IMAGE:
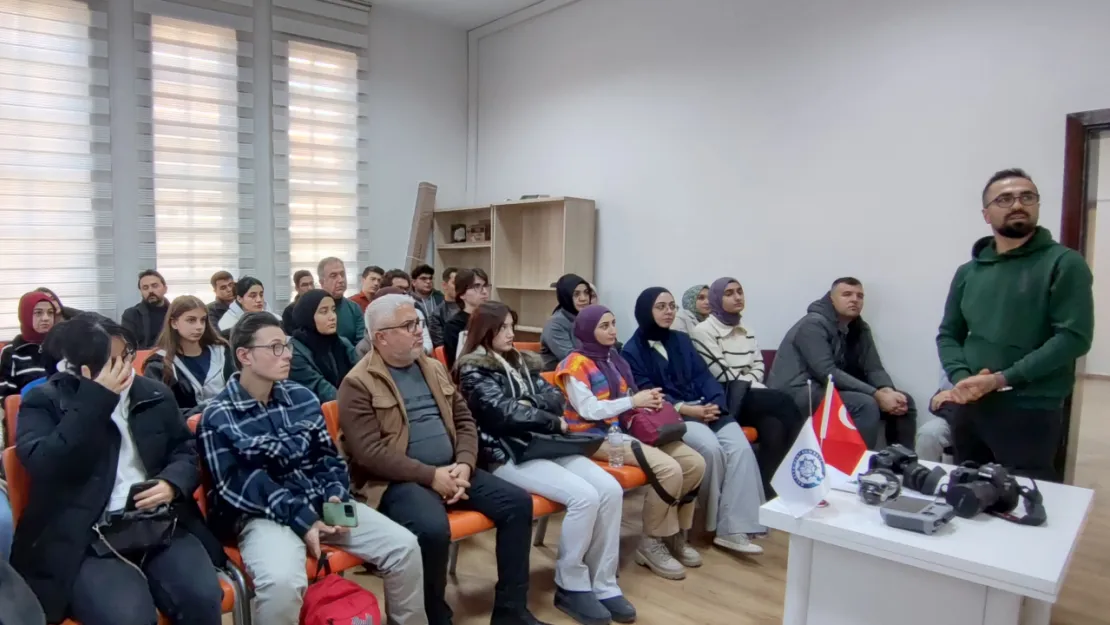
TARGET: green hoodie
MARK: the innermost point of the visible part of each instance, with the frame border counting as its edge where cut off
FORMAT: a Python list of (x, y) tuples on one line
[(1028, 313)]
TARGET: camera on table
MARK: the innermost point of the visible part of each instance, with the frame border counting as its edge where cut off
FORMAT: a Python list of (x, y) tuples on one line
[(902, 460), (974, 489)]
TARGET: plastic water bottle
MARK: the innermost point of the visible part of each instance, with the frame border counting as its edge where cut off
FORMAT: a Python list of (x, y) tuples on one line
[(616, 446)]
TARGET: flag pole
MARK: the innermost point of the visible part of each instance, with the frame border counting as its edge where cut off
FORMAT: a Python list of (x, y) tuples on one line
[(827, 406)]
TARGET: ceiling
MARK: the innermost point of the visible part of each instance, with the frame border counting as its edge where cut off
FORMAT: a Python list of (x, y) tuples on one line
[(466, 14)]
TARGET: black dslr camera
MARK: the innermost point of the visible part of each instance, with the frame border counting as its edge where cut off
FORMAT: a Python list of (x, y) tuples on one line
[(902, 460), (973, 489)]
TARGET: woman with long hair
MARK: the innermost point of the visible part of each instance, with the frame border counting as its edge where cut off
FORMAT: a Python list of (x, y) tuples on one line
[(321, 358), (250, 296), (512, 403), (190, 357)]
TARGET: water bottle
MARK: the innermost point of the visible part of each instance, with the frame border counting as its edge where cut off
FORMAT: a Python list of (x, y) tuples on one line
[(616, 446)]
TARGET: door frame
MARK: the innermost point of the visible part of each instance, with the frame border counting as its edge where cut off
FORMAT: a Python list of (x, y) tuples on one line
[(1080, 154)]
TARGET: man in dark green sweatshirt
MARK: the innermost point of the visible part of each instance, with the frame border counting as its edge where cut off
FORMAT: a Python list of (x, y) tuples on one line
[(1018, 315)]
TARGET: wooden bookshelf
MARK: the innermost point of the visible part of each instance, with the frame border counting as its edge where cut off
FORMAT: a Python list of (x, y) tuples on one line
[(531, 244)]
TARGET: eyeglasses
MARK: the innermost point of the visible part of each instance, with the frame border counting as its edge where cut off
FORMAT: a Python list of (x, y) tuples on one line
[(412, 327), (1007, 200), (664, 306), (482, 288), (277, 348)]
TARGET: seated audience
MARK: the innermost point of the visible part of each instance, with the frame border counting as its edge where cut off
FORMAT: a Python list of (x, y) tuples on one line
[(471, 291), (321, 358), (733, 357), (364, 346), (934, 436), (428, 299), (98, 442), (511, 402), (302, 283), (274, 465), (695, 308), (557, 339), (22, 360), (834, 339), (413, 448), (65, 313), (400, 280), (145, 320), (437, 321), (371, 282), (333, 279), (250, 296), (733, 487), (223, 285), (600, 391), (191, 357)]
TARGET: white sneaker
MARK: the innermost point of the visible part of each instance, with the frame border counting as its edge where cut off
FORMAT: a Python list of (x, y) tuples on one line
[(738, 544)]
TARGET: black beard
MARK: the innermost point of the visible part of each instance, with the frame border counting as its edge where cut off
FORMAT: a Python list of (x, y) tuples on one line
[(1017, 231)]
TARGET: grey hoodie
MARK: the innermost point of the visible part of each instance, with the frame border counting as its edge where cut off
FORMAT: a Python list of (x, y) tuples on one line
[(816, 346)]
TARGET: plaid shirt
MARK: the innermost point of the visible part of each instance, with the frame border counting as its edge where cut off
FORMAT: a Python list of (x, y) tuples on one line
[(276, 460)]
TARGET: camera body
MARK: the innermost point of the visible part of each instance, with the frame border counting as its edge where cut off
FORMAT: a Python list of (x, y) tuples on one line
[(902, 460), (974, 489)]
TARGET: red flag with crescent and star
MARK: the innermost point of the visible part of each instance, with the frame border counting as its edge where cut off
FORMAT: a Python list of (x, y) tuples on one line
[(840, 441)]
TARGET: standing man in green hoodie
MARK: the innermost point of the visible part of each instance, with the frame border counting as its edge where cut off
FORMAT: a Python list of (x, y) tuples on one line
[(1018, 315)]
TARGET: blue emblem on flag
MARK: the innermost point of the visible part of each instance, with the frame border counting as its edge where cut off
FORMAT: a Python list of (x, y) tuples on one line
[(808, 469)]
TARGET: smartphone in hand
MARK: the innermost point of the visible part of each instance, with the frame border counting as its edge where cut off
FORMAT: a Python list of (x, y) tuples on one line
[(340, 514), (135, 489)]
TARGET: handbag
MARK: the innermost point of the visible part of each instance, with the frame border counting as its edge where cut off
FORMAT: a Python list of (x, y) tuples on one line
[(135, 530), (550, 446), (654, 427)]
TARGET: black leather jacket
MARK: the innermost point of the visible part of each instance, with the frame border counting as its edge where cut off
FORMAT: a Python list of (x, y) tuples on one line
[(507, 413)]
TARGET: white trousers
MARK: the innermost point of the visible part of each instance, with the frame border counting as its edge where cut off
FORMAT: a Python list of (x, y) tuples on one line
[(732, 489), (589, 545), (275, 559)]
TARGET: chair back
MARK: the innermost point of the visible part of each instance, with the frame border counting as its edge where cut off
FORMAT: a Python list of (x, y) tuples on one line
[(768, 360), (19, 483), (193, 422), (527, 347), (11, 411), (441, 355), (140, 360), (331, 417), (549, 376)]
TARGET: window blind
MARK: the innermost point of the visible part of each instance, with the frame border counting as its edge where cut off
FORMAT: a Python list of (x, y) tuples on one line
[(319, 139), (55, 169), (196, 148)]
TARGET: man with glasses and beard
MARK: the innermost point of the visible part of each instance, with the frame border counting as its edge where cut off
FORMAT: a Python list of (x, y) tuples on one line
[(1018, 315)]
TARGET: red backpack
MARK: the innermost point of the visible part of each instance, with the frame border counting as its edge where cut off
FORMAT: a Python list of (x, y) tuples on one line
[(337, 601)]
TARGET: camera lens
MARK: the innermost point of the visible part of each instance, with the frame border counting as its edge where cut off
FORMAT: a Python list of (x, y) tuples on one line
[(971, 499)]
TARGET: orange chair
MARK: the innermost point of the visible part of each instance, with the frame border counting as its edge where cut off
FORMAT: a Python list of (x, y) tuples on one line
[(231, 582), (11, 411), (440, 355), (140, 360), (527, 347), (549, 376), (331, 418)]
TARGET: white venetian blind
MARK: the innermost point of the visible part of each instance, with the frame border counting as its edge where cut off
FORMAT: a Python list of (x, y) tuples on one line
[(316, 128), (199, 133), (55, 161)]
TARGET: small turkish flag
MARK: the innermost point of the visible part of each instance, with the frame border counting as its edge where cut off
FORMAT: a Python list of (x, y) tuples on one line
[(840, 441)]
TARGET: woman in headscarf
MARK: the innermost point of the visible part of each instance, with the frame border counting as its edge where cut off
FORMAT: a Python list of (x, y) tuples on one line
[(21, 360), (573, 293), (733, 488), (600, 390), (732, 355), (65, 313), (695, 308), (321, 358)]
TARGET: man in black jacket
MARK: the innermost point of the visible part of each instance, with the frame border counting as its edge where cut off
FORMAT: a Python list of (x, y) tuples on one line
[(86, 438), (833, 339), (144, 320)]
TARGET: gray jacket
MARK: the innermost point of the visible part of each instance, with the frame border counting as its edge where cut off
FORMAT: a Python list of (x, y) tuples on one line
[(557, 339), (816, 346), (437, 322)]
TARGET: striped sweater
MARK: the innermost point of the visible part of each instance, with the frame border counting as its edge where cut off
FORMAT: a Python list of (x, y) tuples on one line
[(731, 352), (584, 370), (20, 363)]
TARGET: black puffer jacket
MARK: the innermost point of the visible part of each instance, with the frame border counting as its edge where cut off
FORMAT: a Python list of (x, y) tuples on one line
[(507, 412), (20, 363), (70, 447)]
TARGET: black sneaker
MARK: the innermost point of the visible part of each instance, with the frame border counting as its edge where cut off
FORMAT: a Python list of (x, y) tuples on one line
[(582, 607), (620, 608)]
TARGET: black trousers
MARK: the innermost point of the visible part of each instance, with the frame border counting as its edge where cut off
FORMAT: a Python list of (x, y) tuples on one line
[(422, 511), (1020, 439), (778, 420), (180, 582)]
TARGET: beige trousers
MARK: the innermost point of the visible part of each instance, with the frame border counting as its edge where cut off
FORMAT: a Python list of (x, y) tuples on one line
[(679, 469)]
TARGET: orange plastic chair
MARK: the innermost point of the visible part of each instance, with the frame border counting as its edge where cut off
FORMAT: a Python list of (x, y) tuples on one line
[(549, 376), (440, 355), (140, 360), (11, 411), (751, 434), (527, 347), (331, 417)]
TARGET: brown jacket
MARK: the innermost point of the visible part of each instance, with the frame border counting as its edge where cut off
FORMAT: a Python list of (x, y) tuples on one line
[(375, 427)]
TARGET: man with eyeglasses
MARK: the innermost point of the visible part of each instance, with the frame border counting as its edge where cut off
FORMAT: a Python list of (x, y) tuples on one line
[(1018, 315), (413, 448), (471, 291), (274, 465)]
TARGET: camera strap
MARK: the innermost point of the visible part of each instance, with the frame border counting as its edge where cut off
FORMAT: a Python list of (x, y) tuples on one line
[(1035, 513)]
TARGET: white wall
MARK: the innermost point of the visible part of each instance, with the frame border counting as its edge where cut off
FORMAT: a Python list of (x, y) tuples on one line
[(1098, 254), (789, 143), (418, 123)]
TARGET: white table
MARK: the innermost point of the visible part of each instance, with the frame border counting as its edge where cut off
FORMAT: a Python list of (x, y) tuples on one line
[(846, 567)]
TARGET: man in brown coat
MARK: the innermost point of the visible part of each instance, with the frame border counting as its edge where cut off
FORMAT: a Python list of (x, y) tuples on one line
[(412, 446)]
